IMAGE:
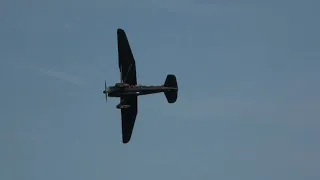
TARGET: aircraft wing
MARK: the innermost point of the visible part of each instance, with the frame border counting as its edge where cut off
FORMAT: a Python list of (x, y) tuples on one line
[(128, 116), (127, 63)]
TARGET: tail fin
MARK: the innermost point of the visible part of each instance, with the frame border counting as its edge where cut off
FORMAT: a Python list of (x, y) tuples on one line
[(172, 95)]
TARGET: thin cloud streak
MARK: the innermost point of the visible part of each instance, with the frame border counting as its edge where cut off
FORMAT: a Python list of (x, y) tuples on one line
[(59, 75)]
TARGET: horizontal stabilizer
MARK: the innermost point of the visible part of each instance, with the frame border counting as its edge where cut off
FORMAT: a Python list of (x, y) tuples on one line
[(172, 94)]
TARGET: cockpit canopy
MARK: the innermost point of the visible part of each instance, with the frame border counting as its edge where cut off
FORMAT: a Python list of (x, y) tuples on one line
[(121, 85)]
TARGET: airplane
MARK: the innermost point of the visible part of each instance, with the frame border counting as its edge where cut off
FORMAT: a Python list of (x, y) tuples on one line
[(128, 90)]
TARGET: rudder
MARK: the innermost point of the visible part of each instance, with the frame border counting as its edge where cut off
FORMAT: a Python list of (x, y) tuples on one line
[(172, 94)]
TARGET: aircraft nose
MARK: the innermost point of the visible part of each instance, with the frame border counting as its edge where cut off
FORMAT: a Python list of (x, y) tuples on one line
[(106, 91)]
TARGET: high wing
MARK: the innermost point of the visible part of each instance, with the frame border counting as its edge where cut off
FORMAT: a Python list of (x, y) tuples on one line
[(128, 116), (127, 63), (127, 67)]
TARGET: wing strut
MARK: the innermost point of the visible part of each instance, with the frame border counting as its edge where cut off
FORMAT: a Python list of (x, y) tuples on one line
[(125, 78), (121, 80)]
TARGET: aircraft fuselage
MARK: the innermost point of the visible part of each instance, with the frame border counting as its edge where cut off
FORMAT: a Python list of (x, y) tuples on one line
[(114, 91)]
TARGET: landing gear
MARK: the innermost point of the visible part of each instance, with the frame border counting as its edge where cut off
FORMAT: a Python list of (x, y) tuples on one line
[(122, 106)]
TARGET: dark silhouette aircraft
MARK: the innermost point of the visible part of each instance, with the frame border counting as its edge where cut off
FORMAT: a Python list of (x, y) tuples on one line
[(128, 90)]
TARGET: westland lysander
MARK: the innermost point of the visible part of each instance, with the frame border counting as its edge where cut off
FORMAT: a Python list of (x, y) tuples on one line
[(128, 90)]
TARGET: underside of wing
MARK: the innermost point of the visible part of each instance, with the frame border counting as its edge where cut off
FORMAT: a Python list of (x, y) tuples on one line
[(127, 63), (128, 116)]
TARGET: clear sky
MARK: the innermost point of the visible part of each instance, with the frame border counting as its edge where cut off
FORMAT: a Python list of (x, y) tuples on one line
[(248, 106)]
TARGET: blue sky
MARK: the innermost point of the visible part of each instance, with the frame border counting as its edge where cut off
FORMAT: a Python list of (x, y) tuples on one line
[(248, 105)]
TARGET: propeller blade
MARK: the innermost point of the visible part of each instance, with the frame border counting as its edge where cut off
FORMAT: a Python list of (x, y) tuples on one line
[(105, 90)]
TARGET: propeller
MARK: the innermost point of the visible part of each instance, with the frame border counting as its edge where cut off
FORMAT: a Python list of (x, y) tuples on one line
[(105, 90)]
